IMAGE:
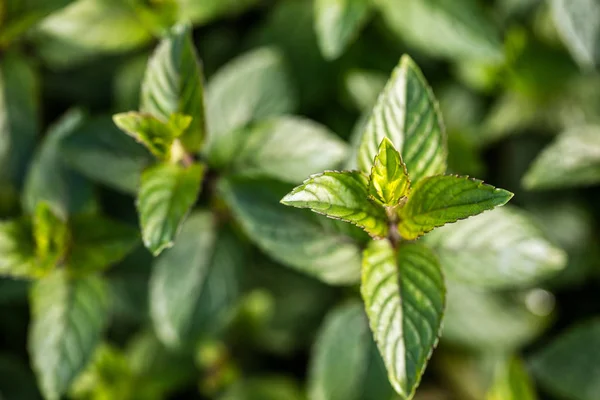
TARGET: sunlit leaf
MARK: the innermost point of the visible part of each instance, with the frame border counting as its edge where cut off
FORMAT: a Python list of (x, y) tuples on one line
[(511, 382), (389, 180), (18, 257)]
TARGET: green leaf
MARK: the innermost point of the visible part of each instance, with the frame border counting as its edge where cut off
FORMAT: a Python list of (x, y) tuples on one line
[(18, 257), (512, 382), (407, 114), (363, 87), (578, 22), (156, 135), (389, 180), (51, 236), (68, 317), (202, 12), (499, 249), (440, 200), (264, 388), (174, 83), (338, 22), (568, 366), (285, 148), (404, 297), (49, 180), (194, 284), (99, 242), (101, 152), (340, 195), (573, 159), (456, 29), (301, 240), (167, 193), (252, 87)]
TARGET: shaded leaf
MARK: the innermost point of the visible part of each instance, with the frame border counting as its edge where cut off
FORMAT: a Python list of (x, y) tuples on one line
[(264, 388), (512, 382), (17, 16), (363, 87), (389, 180)]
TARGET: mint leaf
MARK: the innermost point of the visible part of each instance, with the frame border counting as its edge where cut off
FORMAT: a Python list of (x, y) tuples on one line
[(285, 148), (51, 236), (311, 244), (407, 114), (573, 159), (173, 83), (18, 257), (389, 180), (338, 22), (340, 195), (499, 249), (156, 135), (183, 302), (207, 10), (440, 200), (404, 297), (511, 382), (68, 317), (167, 193)]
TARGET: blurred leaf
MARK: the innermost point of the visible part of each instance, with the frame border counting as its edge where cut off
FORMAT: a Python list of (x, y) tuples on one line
[(439, 200), (194, 284), (300, 240), (404, 297), (174, 83), (568, 366), (456, 29), (167, 193), (499, 249), (285, 148), (51, 236), (573, 159), (17, 250), (49, 180), (249, 88), (389, 181), (101, 152), (341, 195), (68, 317), (464, 155), (363, 87), (408, 115), (205, 11), (127, 83), (578, 22), (264, 388), (512, 382), (338, 22)]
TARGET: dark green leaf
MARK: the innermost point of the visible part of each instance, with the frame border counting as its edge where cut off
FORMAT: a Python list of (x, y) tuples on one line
[(264, 388), (167, 193), (440, 200), (389, 180), (512, 382), (17, 16), (407, 114)]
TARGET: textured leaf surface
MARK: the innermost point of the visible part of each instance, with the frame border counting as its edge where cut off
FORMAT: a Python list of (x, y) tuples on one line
[(167, 192), (252, 87), (578, 22), (299, 239), (18, 250), (389, 180), (340, 195), (404, 297), (511, 382), (68, 317), (285, 148), (499, 249), (573, 159), (193, 285), (568, 366), (440, 200), (407, 114), (173, 83), (338, 22)]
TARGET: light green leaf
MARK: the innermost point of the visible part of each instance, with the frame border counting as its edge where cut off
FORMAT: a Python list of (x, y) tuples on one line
[(363, 87), (49, 180), (202, 12), (298, 239), (573, 159), (457, 29), (440, 200), (51, 236), (338, 22), (17, 16), (68, 317), (568, 366), (252, 87), (389, 180), (174, 83), (578, 22), (404, 297), (285, 148), (194, 284), (155, 134), (407, 114), (512, 382), (100, 151), (18, 257), (499, 249), (167, 193), (340, 195)]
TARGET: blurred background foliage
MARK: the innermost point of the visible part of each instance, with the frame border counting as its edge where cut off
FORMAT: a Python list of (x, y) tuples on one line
[(520, 95)]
